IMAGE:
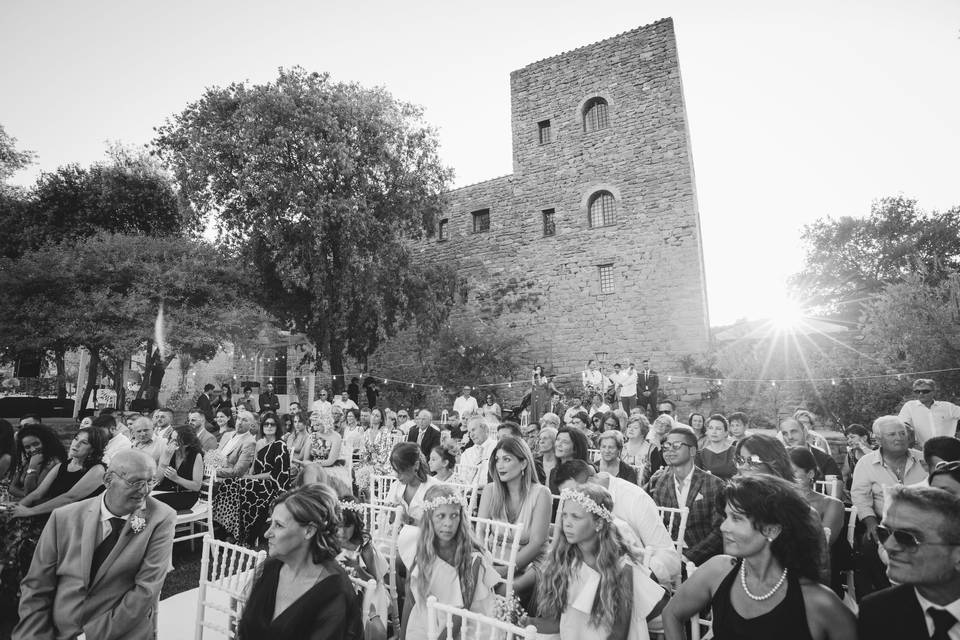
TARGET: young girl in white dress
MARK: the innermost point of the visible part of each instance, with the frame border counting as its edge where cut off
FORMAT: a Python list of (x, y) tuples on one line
[(449, 564), (362, 560), (592, 578)]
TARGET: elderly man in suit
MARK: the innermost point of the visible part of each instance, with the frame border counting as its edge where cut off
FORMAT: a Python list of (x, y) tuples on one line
[(237, 448), (679, 484), (100, 562), (921, 533), (424, 433)]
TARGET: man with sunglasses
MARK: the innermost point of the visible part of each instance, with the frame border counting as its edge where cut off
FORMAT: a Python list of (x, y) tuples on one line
[(929, 417), (892, 464), (921, 534)]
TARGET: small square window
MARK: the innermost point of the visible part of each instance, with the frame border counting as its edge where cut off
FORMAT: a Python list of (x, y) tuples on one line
[(549, 226), (543, 128), (442, 230), (606, 278), (481, 221)]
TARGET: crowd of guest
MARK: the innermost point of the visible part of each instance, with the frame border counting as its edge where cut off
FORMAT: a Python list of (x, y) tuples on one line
[(762, 548)]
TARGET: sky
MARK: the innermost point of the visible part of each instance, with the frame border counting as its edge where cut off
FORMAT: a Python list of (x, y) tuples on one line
[(797, 110)]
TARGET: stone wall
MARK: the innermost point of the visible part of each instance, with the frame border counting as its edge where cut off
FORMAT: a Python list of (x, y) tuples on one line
[(548, 287)]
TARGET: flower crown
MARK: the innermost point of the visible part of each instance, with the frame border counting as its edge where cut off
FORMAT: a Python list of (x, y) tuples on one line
[(587, 503), (442, 500), (359, 507)]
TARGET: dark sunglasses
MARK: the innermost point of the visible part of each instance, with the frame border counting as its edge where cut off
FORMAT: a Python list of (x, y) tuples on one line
[(906, 539), (269, 422), (923, 391)]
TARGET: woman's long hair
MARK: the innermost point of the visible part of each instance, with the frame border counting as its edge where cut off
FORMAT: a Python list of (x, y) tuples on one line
[(564, 560), (465, 543), (521, 451), (97, 440), (50, 444), (188, 441), (771, 452), (770, 500), (8, 445)]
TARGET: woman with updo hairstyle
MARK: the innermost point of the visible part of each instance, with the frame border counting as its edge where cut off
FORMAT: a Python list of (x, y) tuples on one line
[(301, 591), (765, 586), (593, 585), (413, 479)]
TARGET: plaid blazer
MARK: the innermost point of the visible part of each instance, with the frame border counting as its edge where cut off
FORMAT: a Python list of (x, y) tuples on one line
[(702, 537)]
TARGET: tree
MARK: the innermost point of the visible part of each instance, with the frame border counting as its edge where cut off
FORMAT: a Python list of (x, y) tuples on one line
[(849, 259), (11, 159), (104, 293), (325, 189)]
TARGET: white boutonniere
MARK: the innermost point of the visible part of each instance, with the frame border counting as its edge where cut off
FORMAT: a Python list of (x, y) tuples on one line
[(137, 521)]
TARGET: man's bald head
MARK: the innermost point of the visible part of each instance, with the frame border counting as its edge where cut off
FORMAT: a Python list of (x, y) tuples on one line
[(131, 460), (128, 479)]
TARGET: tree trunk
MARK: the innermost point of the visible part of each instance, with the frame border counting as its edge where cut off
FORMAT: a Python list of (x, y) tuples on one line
[(336, 367), (145, 378), (58, 356), (91, 378), (119, 382)]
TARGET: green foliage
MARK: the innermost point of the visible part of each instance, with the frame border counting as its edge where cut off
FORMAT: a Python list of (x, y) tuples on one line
[(849, 259), (324, 189), (11, 159), (464, 353)]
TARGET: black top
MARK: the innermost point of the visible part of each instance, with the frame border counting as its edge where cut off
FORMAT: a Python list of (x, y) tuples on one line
[(786, 621), (329, 610), (66, 479), (185, 470), (624, 472)]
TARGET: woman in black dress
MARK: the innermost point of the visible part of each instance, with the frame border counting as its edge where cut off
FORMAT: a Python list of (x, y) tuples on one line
[(180, 470), (766, 586), (301, 592), (242, 504)]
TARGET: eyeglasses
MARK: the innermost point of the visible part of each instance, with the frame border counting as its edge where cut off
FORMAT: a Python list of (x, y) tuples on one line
[(675, 446), (664, 412), (753, 461), (269, 422), (138, 484), (923, 391), (947, 466), (907, 540)]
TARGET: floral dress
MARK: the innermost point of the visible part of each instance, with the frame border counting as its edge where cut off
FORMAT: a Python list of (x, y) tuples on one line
[(375, 457), (242, 505), (320, 449)]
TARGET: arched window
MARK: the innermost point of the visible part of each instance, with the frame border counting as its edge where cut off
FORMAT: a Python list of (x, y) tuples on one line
[(595, 115), (602, 209)]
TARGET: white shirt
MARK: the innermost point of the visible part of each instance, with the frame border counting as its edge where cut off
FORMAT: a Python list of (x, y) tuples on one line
[(406, 426), (939, 420), (345, 405), (154, 448), (105, 514), (117, 443), (463, 406), (603, 408), (572, 411), (320, 405), (682, 487), (953, 607), (479, 454), (592, 377), (628, 380), (633, 505)]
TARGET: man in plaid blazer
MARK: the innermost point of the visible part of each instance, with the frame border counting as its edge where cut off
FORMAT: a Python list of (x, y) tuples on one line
[(681, 483)]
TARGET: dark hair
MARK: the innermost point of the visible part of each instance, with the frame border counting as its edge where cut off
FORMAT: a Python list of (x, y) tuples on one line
[(673, 405), (857, 430), (690, 419), (49, 441), (406, 456), (802, 457), (771, 451), (583, 417), (513, 427), (947, 448), (105, 421), (316, 504), (581, 446), (352, 518), (445, 454), (187, 439), (719, 418), (354, 412), (945, 469), (208, 387), (607, 416), (769, 500), (689, 435), (573, 470), (8, 445), (32, 416), (98, 442), (248, 388), (227, 414), (740, 416), (270, 415)]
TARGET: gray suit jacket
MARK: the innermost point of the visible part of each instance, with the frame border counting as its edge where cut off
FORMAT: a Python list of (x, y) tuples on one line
[(61, 601)]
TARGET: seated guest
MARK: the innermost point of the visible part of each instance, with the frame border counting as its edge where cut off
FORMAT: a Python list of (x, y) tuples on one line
[(738, 422), (516, 496), (946, 476), (892, 464), (478, 456), (447, 562), (681, 484), (223, 418), (658, 433), (237, 448), (921, 534), (424, 433), (716, 455), (809, 423), (118, 441), (442, 461), (326, 449), (508, 428), (101, 562), (301, 591), (766, 584), (794, 434), (829, 510), (413, 480), (611, 447), (636, 448), (595, 585), (595, 428), (197, 420), (546, 450), (760, 453), (39, 451), (180, 470), (531, 431), (636, 515), (8, 450), (940, 449), (144, 440), (360, 557), (242, 504), (571, 444), (576, 406), (858, 445), (698, 423)]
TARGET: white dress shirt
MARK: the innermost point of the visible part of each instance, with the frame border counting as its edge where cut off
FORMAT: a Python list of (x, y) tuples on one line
[(479, 455), (105, 514), (953, 607), (635, 506), (463, 406), (939, 420), (628, 382), (117, 443)]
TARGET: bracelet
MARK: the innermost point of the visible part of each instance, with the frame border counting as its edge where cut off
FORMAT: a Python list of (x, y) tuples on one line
[(29, 471)]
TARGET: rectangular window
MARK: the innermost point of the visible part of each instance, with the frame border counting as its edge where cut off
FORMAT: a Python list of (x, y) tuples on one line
[(442, 230), (549, 226), (543, 127), (481, 221), (606, 278)]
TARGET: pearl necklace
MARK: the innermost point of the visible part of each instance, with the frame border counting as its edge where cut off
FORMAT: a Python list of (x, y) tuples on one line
[(776, 587)]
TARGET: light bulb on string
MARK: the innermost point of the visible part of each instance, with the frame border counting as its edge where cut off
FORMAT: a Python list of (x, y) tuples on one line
[(411, 385), (773, 383), (833, 381)]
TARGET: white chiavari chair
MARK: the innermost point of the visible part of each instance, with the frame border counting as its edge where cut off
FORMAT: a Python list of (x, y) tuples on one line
[(380, 486), (226, 571), (502, 540), (199, 521), (383, 522), (675, 517), (473, 626), (829, 487), (468, 491), (468, 473), (593, 455)]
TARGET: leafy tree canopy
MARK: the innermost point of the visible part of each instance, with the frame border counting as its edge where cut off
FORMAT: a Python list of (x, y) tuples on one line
[(325, 188), (849, 259), (11, 159)]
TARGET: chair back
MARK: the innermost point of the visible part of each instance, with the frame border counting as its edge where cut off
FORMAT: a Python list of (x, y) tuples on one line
[(829, 487), (468, 491), (383, 522), (473, 626), (593, 455), (502, 540), (198, 522), (380, 486), (469, 473), (226, 573), (675, 520)]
